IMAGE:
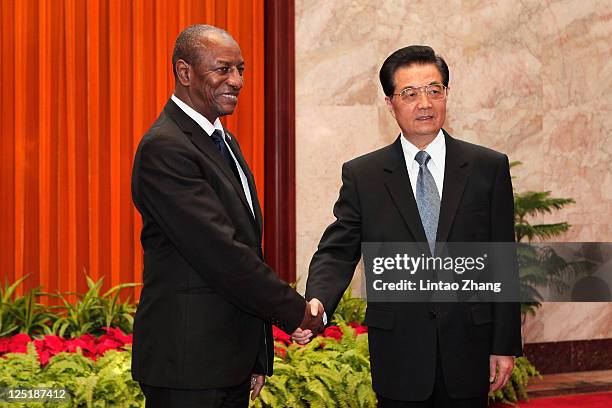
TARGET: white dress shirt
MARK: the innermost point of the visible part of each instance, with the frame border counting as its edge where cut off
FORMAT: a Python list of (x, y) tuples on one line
[(436, 150), (209, 128)]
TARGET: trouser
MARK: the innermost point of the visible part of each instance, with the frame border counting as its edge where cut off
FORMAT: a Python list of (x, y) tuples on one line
[(229, 397), (439, 397)]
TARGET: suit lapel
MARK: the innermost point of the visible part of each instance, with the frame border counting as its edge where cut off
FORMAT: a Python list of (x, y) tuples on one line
[(205, 144), (456, 172), (398, 185), (250, 180)]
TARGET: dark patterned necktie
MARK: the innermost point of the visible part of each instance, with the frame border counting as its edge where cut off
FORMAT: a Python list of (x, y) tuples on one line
[(428, 199), (219, 139)]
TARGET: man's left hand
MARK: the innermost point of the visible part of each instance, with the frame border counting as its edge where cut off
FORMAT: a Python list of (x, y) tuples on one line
[(257, 383), (301, 337), (500, 371)]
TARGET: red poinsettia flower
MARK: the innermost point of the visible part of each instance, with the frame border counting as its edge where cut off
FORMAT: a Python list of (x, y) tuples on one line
[(19, 343), (117, 334), (334, 332), (359, 329), (280, 351), (44, 357), (73, 344), (87, 344), (4, 343), (107, 344), (54, 344), (280, 335), (48, 347)]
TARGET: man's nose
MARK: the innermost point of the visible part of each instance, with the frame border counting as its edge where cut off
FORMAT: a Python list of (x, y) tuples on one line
[(235, 79), (423, 101)]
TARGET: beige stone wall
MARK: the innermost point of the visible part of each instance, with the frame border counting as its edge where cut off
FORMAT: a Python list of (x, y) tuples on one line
[(531, 79)]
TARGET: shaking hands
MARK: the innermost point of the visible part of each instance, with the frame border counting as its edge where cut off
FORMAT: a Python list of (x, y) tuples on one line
[(312, 323)]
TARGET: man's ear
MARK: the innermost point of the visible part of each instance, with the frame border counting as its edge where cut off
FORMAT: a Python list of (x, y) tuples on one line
[(390, 106), (183, 72)]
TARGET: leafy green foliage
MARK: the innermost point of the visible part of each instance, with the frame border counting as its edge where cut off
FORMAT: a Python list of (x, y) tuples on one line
[(32, 316), (516, 389), (529, 204), (91, 312), (540, 267), (324, 373), (22, 314), (350, 309), (8, 322), (106, 382)]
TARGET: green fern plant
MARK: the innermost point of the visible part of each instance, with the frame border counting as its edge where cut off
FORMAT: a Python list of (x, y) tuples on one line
[(516, 389), (541, 265), (324, 373), (350, 309), (529, 204), (532, 203), (106, 382)]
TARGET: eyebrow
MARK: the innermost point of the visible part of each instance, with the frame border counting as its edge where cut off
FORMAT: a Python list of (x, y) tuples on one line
[(228, 62), (431, 83)]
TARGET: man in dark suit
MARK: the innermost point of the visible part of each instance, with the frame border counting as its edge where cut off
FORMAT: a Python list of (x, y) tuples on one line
[(202, 331), (425, 187)]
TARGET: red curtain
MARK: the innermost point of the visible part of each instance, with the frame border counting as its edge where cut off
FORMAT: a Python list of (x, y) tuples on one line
[(81, 81)]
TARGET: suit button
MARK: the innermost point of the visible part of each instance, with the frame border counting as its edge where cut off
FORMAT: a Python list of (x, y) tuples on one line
[(433, 314)]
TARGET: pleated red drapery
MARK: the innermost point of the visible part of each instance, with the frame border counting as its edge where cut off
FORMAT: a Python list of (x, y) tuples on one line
[(81, 81)]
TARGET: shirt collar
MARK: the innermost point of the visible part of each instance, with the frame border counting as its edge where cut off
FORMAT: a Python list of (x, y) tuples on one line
[(436, 150), (204, 123)]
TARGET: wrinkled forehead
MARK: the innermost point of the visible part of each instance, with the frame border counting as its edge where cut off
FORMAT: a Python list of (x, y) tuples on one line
[(416, 74), (213, 41)]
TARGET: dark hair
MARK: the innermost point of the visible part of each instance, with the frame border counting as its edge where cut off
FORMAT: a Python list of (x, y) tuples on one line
[(188, 43), (413, 54)]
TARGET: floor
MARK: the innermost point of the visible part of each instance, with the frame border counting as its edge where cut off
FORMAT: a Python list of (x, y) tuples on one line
[(570, 383)]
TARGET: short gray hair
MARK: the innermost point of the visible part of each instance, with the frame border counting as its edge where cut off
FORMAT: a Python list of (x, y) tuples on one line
[(187, 43)]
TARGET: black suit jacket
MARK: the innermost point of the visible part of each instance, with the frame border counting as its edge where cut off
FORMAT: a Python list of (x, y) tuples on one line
[(376, 204), (203, 320)]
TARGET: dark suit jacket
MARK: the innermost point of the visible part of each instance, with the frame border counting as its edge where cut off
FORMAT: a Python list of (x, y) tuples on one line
[(376, 204), (203, 320)]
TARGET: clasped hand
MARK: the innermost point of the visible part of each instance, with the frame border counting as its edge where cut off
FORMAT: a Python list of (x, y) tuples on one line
[(312, 323)]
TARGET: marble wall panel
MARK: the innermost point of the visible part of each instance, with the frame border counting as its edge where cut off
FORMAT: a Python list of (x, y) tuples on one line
[(577, 54), (330, 136), (569, 321), (337, 63), (529, 78)]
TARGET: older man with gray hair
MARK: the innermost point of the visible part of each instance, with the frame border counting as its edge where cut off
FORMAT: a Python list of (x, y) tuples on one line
[(202, 331)]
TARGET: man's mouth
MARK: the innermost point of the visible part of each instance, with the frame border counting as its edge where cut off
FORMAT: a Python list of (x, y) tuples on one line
[(232, 97), (424, 117)]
